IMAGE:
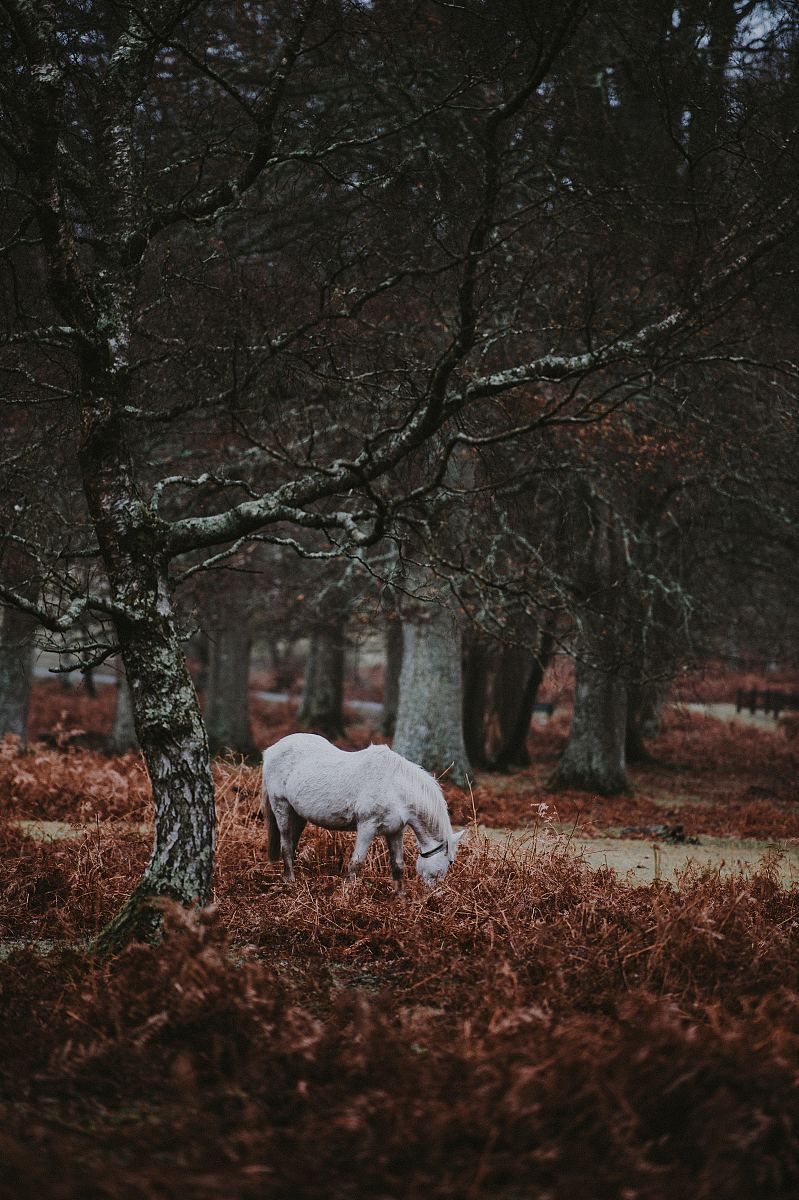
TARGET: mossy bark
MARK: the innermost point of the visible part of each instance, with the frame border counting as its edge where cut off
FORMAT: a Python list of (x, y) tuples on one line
[(175, 749), (166, 711)]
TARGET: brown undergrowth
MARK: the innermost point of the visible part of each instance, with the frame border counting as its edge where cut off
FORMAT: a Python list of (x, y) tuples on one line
[(710, 776), (717, 682), (530, 1028)]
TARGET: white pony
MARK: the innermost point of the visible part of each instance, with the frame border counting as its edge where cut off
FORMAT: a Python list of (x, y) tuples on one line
[(373, 791)]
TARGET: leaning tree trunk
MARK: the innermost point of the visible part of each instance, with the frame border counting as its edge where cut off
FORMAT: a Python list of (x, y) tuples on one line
[(227, 703), (134, 548), (123, 732), (175, 748), (16, 671), (391, 677), (322, 705), (430, 716)]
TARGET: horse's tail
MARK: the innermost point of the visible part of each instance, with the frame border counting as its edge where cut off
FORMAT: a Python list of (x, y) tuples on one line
[(272, 831)]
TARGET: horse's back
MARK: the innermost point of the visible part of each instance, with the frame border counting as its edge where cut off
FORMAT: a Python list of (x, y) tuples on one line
[(293, 753), (299, 743), (334, 787)]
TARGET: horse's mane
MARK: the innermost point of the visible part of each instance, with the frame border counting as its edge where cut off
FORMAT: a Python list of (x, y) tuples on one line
[(422, 793)]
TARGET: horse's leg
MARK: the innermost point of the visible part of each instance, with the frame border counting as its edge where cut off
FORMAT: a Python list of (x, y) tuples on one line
[(298, 823), (364, 836), (285, 817), (396, 857)]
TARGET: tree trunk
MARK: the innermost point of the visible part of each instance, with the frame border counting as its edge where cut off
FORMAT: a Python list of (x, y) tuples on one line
[(227, 702), (16, 671), (175, 748), (594, 759), (167, 715), (198, 652), (510, 679), (283, 664), (644, 711), (430, 714), (391, 677), (123, 733), (475, 693), (322, 705), (514, 752)]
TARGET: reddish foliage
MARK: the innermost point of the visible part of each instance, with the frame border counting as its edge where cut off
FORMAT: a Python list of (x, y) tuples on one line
[(462, 1044), (714, 682), (710, 776), (79, 785), (531, 1027), (61, 714)]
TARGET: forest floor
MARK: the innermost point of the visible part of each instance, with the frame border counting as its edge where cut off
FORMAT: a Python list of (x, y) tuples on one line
[(533, 1027)]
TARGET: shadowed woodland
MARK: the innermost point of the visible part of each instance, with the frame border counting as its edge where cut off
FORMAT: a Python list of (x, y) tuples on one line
[(418, 373)]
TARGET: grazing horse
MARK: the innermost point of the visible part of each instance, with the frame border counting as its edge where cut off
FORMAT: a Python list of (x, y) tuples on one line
[(374, 791)]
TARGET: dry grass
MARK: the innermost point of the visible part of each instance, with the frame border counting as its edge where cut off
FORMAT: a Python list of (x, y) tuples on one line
[(712, 777), (531, 1028), (715, 682)]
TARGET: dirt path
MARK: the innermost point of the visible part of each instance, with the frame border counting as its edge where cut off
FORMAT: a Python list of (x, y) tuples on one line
[(638, 860), (642, 861)]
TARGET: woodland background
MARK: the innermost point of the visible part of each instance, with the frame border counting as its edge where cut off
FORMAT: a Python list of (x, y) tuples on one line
[(421, 372)]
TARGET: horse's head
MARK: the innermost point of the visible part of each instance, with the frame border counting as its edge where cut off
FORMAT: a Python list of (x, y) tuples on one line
[(434, 864)]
